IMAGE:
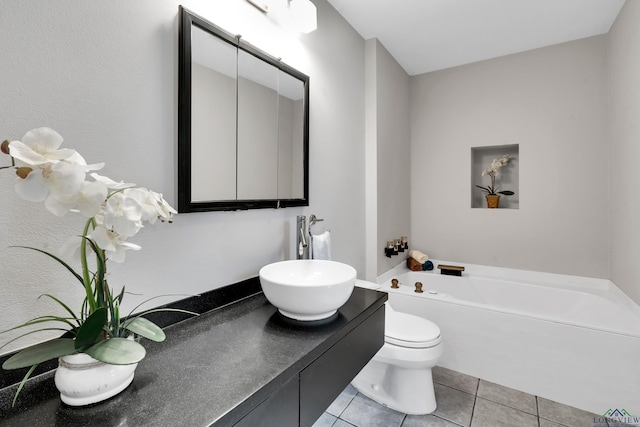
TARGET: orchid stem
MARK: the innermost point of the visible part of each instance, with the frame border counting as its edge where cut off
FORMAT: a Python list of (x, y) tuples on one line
[(85, 268)]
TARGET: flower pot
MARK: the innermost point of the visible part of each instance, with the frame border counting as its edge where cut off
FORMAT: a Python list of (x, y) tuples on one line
[(83, 380), (493, 200)]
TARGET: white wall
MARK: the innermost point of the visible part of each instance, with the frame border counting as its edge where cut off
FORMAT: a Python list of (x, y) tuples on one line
[(104, 75), (390, 93), (624, 114), (553, 103)]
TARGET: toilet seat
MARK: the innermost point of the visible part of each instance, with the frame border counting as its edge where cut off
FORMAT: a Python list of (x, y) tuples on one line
[(406, 330)]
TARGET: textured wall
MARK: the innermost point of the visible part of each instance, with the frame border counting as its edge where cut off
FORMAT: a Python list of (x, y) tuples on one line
[(104, 75)]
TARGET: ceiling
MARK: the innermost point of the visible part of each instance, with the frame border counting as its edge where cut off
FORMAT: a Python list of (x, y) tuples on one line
[(429, 35)]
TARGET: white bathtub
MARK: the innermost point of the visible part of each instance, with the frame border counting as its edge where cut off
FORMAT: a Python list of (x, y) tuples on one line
[(571, 339)]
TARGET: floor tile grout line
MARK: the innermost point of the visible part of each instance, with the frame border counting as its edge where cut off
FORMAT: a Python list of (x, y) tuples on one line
[(444, 419), (509, 406), (475, 399), (536, 414), (456, 389), (473, 409), (347, 405), (346, 422)]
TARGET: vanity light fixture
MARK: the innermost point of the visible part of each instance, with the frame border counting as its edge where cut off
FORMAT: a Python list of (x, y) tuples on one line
[(296, 14), (304, 15), (264, 8)]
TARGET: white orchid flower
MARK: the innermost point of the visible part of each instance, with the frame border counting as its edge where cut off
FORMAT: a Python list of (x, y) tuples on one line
[(111, 184), (112, 243), (53, 180), (489, 171), (146, 202), (71, 248), (88, 200), (165, 209), (123, 214), (153, 205), (77, 159), (39, 147), (32, 188), (57, 177)]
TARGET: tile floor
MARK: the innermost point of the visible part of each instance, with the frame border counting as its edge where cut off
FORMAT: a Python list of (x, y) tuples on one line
[(462, 401)]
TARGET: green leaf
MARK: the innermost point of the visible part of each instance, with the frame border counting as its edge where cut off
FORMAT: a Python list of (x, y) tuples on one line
[(86, 280), (177, 310), (91, 329), (64, 264), (145, 328), (101, 269), (29, 333), (117, 351), (121, 296), (73, 315), (40, 353), (22, 383), (506, 193), (156, 297), (41, 319)]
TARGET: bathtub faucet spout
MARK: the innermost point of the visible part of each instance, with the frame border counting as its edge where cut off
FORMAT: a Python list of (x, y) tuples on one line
[(451, 270)]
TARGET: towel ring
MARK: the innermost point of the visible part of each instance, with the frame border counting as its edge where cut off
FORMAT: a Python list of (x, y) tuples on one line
[(312, 220)]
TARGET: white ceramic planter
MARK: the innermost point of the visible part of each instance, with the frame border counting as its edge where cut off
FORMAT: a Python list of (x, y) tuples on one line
[(83, 380)]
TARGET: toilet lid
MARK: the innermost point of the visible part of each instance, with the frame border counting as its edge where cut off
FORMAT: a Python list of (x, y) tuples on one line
[(407, 330)]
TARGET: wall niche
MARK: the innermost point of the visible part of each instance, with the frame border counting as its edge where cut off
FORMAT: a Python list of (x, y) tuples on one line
[(507, 177)]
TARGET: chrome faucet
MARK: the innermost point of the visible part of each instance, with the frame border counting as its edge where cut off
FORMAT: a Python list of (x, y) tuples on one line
[(302, 245)]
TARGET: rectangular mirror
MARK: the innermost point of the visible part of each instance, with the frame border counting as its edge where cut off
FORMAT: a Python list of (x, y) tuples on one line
[(213, 117), (243, 124), (257, 128), (291, 121)]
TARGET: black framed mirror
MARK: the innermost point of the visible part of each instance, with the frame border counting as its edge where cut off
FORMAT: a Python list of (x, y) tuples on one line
[(243, 124)]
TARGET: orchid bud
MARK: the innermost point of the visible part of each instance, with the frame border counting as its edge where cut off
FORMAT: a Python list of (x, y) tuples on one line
[(23, 171), (5, 146)]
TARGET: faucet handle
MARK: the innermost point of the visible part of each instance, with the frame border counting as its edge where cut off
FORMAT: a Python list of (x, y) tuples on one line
[(419, 288)]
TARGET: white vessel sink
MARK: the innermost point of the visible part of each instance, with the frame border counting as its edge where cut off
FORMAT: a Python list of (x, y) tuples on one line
[(307, 289)]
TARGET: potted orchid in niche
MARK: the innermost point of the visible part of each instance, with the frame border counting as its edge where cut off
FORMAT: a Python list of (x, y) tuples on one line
[(98, 335), (491, 192)]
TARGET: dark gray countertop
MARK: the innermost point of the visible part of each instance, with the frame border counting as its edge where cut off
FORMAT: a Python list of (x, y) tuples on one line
[(211, 369)]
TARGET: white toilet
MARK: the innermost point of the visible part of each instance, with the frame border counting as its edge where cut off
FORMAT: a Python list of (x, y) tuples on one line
[(399, 375)]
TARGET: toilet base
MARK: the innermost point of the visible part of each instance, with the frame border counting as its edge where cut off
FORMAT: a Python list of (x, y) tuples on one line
[(409, 391)]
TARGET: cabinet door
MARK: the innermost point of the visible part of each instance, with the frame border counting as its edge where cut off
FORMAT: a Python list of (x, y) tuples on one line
[(323, 380), (281, 409)]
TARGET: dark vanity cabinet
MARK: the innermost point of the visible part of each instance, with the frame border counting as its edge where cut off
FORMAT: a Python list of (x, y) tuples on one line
[(242, 364), (281, 409), (303, 398), (322, 381)]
